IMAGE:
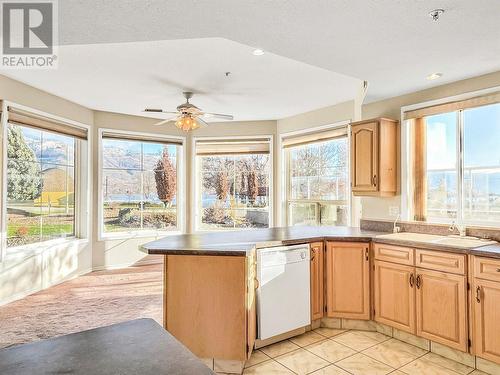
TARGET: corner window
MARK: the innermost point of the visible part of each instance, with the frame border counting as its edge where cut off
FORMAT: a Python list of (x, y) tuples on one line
[(318, 180), (40, 185), (139, 185), (233, 184)]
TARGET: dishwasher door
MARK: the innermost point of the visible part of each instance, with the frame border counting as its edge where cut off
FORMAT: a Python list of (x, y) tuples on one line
[(283, 295)]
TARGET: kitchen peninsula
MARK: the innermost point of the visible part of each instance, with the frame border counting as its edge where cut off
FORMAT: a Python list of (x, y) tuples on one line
[(210, 282)]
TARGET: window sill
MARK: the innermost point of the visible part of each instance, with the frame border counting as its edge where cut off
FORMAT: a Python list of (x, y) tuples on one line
[(138, 234), (19, 253)]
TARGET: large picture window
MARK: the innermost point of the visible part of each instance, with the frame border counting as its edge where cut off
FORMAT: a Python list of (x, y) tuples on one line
[(139, 185), (233, 184), (318, 181), (40, 185)]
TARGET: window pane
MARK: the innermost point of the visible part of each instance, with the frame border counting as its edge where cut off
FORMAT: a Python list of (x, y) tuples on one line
[(332, 214), (303, 214), (234, 191), (481, 195), (40, 195), (139, 186), (442, 194)]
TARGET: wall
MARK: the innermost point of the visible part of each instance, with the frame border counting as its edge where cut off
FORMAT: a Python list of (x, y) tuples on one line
[(378, 208), (25, 273)]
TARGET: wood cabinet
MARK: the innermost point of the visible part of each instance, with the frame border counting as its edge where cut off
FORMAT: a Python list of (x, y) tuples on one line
[(348, 280), (395, 295), (486, 308), (441, 308), (317, 284), (374, 145)]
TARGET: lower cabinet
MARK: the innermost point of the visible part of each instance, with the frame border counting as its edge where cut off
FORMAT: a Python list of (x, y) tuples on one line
[(348, 280), (442, 307), (486, 306), (395, 295), (317, 277)]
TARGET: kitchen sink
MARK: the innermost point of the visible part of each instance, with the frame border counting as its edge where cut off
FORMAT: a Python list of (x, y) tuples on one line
[(452, 241)]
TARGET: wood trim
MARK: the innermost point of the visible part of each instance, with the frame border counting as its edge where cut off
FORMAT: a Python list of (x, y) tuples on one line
[(486, 323), (317, 276), (394, 254), (487, 268), (419, 169)]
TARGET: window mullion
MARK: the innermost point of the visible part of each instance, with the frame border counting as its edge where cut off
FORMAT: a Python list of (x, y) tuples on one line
[(460, 167)]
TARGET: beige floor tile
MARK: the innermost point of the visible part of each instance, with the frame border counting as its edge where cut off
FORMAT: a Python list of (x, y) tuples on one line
[(447, 363), (267, 368), (394, 353), (357, 340), (329, 332), (455, 355), (256, 358), (330, 350), (301, 361), (421, 366), (279, 348), (487, 366), (307, 338), (330, 370), (478, 372), (380, 337), (360, 364)]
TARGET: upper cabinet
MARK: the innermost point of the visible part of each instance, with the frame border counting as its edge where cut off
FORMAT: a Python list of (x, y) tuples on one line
[(374, 145)]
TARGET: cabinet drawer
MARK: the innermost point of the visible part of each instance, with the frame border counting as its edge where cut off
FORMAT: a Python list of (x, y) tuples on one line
[(440, 261), (487, 268), (394, 254)]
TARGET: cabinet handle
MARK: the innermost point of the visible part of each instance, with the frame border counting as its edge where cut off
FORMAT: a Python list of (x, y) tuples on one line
[(366, 254), (419, 281), (478, 294), (412, 280), (256, 282), (313, 251), (374, 180), (498, 269)]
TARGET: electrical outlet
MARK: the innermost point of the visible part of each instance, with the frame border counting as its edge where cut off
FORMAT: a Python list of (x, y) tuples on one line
[(393, 211)]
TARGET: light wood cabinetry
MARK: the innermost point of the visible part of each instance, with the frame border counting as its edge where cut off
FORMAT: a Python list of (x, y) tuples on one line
[(348, 280), (317, 277), (374, 145), (395, 295), (394, 254), (442, 307), (486, 308)]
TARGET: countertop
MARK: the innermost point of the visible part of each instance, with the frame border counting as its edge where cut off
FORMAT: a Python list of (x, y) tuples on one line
[(139, 346), (241, 243)]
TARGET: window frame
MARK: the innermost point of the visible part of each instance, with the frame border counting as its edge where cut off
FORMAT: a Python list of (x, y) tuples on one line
[(181, 195), (82, 184), (195, 182), (285, 173), (406, 160)]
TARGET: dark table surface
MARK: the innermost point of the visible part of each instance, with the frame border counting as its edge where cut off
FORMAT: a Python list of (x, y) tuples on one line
[(139, 347)]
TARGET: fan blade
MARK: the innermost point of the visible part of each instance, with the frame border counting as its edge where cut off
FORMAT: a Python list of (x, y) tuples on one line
[(163, 122), (201, 122), (156, 110), (218, 115)]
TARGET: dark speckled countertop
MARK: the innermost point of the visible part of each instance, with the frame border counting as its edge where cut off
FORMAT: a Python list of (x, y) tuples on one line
[(240, 243)]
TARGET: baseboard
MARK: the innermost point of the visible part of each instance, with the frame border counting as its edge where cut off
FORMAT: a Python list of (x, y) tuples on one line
[(145, 262)]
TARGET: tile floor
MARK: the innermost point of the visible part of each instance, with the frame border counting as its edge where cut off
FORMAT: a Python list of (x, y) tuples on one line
[(328, 351)]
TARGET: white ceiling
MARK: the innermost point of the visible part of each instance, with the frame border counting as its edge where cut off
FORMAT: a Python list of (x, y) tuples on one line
[(393, 44), (128, 77)]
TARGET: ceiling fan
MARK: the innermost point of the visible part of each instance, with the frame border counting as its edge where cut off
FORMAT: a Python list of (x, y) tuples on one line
[(188, 116)]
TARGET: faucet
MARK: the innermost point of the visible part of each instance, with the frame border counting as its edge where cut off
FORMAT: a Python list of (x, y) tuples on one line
[(462, 230), (395, 228)]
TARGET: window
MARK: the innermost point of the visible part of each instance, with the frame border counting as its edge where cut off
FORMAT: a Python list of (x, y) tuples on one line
[(462, 165), (139, 184), (318, 180), (233, 178), (40, 185)]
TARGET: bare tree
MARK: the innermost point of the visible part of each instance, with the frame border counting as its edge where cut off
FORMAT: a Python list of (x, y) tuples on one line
[(166, 179), (222, 185), (253, 186)]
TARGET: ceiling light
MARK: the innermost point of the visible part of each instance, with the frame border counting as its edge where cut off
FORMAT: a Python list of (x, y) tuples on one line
[(186, 122), (258, 52), (434, 76), (435, 14)]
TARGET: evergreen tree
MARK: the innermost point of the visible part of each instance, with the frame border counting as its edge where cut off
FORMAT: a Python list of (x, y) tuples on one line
[(24, 180), (166, 178)]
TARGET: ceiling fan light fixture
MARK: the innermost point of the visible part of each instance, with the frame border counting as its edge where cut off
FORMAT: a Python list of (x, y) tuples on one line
[(186, 123)]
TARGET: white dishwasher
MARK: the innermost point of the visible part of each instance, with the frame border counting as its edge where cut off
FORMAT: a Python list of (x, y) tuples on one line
[(283, 295)]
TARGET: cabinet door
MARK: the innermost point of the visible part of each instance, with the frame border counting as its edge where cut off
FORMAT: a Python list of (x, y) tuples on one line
[(395, 295), (486, 301), (348, 280), (364, 157), (442, 295), (317, 292)]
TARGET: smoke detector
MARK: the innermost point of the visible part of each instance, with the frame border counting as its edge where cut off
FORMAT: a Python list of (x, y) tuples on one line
[(435, 14)]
